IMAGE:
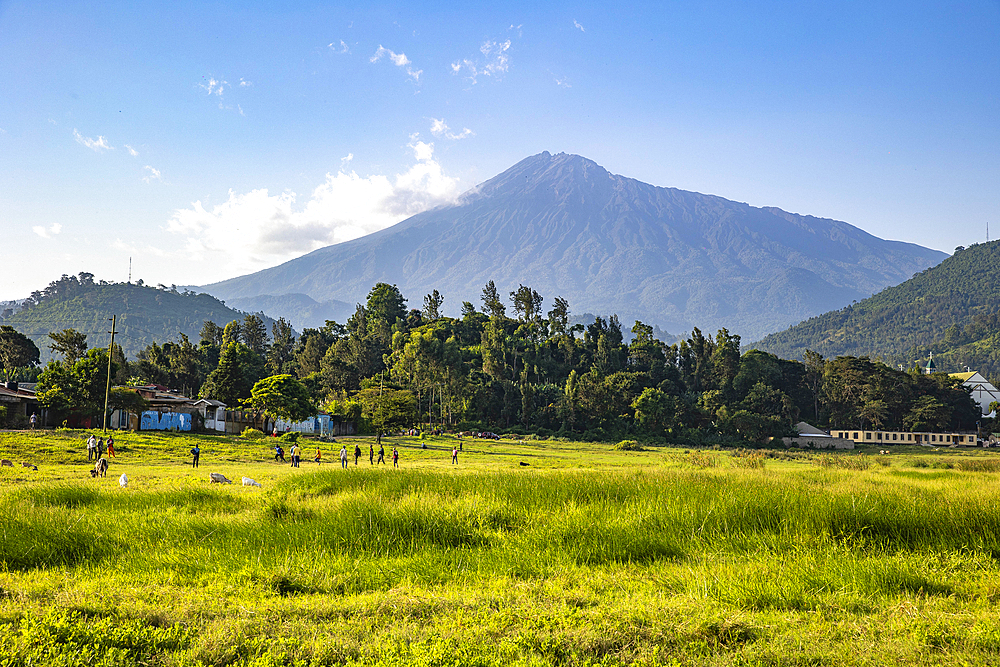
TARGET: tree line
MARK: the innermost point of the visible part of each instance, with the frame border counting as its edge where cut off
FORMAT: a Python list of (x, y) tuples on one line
[(509, 364)]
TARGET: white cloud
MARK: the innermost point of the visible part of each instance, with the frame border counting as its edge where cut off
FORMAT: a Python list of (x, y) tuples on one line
[(245, 84), (494, 63), (256, 229), (213, 86), (576, 24), (344, 161), (342, 48), (399, 60), (97, 145), (131, 151), (153, 175), (563, 83), (440, 129), (49, 232)]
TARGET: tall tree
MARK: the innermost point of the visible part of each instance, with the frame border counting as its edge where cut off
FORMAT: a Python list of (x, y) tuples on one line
[(281, 352), (492, 303), (70, 343), (281, 397), (527, 303), (432, 306), (255, 334), (16, 351), (233, 379)]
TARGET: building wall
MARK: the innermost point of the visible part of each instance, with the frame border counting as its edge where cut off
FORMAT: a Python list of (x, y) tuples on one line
[(904, 438)]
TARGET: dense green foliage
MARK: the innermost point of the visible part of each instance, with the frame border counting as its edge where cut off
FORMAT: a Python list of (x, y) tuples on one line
[(952, 307), (146, 314)]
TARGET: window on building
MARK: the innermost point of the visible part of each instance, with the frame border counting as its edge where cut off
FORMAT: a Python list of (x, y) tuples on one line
[(893, 436), (855, 436), (878, 436)]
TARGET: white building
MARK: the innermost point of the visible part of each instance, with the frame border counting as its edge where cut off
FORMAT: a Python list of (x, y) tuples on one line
[(983, 392)]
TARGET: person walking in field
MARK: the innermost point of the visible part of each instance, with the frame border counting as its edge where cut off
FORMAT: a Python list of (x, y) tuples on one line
[(319, 456), (371, 454), (381, 454), (33, 421), (279, 453), (92, 448), (454, 455), (111, 446), (195, 456), (395, 458), (357, 454), (343, 457)]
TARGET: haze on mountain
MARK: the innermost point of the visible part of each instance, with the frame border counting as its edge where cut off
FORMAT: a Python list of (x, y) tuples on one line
[(565, 226), (951, 310)]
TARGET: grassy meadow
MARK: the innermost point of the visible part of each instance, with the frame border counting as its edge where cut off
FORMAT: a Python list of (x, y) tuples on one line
[(586, 555)]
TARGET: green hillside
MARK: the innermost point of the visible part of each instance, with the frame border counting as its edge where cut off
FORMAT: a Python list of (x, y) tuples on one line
[(145, 314), (950, 308)]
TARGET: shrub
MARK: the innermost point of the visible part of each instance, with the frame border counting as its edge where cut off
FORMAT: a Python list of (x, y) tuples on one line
[(290, 437), (978, 465), (252, 434), (747, 458), (628, 446)]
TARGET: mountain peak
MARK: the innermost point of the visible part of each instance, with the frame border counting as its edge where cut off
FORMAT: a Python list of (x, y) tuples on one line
[(609, 244)]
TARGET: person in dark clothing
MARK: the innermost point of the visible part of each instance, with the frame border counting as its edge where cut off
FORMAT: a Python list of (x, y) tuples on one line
[(357, 453), (279, 453), (196, 455), (371, 454), (381, 454)]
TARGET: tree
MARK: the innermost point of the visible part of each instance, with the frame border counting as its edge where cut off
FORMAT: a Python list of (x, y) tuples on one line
[(70, 343), (128, 401), (432, 306), (927, 414), (77, 389), (233, 379), (281, 397), (527, 303), (385, 305), (255, 334), (281, 352), (16, 351), (233, 333), (492, 303), (386, 408), (559, 317), (211, 334)]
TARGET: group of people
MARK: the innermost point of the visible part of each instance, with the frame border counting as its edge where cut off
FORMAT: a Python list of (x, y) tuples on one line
[(96, 447)]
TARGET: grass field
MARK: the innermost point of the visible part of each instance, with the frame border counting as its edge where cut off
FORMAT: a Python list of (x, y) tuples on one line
[(586, 555)]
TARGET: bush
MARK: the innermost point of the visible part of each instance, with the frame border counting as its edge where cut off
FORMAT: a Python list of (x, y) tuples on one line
[(290, 437), (747, 458), (628, 446), (252, 434)]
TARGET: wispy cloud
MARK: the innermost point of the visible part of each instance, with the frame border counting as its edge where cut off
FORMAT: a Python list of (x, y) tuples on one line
[(341, 48), (245, 84), (212, 86), (97, 145), (494, 62), (576, 24), (563, 82), (346, 160), (399, 60), (441, 130), (47, 232), (152, 175), (131, 151), (252, 230)]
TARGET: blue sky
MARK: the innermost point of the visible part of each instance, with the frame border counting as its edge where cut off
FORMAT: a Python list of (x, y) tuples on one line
[(206, 141)]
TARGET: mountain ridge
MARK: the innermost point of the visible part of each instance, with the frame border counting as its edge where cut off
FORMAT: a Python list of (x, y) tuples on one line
[(565, 226)]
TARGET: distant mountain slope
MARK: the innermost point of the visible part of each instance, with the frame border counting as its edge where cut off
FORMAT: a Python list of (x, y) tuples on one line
[(300, 310), (567, 227), (145, 314), (902, 323)]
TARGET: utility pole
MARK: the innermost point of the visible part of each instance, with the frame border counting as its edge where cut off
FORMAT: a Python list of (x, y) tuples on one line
[(107, 388)]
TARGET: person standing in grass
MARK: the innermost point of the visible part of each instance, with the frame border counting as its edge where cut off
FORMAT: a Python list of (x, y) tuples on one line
[(371, 454), (295, 455), (395, 458), (33, 421), (111, 446), (195, 456), (357, 453), (454, 455), (381, 454), (100, 447), (343, 457), (91, 448)]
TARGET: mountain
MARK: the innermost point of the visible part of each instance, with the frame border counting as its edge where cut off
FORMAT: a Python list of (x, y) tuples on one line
[(300, 310), (951, 309), (144, 314), (565, 226)]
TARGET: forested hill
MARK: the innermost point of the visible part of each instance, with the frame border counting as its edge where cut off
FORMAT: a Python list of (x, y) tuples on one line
[(145, 314), (942, 308)]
